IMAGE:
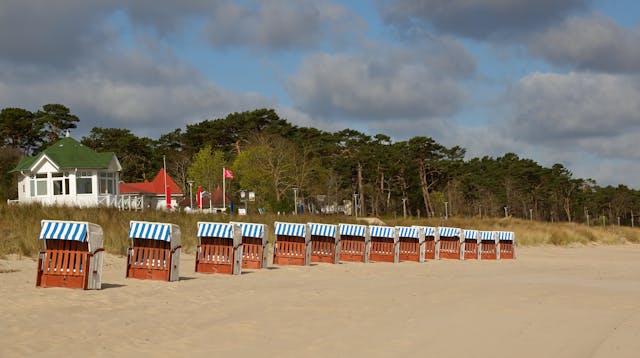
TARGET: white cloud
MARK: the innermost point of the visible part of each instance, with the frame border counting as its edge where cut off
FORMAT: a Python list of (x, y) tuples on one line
[(478, 19), (594, 42), (383, 83), (551, 107), (281, 24), (145, 108)]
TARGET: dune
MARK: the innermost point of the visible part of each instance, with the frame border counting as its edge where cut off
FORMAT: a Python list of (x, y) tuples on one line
[(550, 302)]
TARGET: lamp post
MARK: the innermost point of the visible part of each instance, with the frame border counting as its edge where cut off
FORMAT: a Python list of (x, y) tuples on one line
[(355, 204), (446, 210), (190, 193), (295, 200), (404, 207)]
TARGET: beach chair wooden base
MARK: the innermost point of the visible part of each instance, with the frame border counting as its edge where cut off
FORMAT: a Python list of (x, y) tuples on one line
[(252, 253), (506, 250), (149, 260), (64, 263), (470, 250), (430, 249), (382, 250), (409, 249), (450, 248), (352, 249), (215, 255), (323, 249), (289, 251), (488, 250)]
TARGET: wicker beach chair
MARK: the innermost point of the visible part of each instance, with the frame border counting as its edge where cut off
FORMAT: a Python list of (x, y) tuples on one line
[(155, 251), (451, 243), (72, 255), (355, 243), (325, 243), (293, 244), (384, 244), (219, 248)]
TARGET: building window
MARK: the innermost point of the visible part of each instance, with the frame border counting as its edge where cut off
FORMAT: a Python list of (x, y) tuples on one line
[(107, 183), (84, 183), (58, 179), (32, 185), (41, 184)]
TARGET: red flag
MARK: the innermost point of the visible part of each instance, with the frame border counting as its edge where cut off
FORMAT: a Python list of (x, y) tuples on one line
[(228, 173), (168, 195), (199, 197)]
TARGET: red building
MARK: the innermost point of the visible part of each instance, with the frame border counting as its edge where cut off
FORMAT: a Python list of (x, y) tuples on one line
[(153, 192)]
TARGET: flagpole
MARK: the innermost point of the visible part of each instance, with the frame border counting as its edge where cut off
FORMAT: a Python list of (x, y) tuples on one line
[(224, 209), (164, 166)]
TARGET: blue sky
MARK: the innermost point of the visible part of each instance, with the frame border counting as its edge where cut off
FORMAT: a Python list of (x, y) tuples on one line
[(554, 81)]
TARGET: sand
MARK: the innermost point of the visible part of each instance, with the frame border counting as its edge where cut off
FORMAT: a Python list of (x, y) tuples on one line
[(550, 302)]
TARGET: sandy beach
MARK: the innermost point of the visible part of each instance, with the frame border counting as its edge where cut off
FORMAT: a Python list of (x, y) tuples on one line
[(550, 302)]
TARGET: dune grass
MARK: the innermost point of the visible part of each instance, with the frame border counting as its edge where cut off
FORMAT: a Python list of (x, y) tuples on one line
[(21, 225)]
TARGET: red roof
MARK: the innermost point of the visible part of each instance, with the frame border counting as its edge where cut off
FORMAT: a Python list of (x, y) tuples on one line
[(156, 186), (216, 198)]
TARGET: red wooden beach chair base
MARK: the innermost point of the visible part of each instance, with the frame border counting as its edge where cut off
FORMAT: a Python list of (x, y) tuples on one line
[(352, 249), (450, 248), (506, 249), (149, 260), (409, 249), (323, 249), (382, 250), (252, 253), (430, 249), (470, 250), (215, 255), (64, 263), (290, 251), (488, 250)]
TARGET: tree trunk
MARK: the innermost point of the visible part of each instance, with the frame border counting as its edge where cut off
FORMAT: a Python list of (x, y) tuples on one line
[(425, 188), (360, 189), (567, 207)]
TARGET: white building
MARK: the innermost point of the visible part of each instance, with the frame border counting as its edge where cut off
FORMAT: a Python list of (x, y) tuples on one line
[(69, 173)]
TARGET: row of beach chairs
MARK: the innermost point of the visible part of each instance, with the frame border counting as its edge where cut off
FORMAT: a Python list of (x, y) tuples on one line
[(73, 251)]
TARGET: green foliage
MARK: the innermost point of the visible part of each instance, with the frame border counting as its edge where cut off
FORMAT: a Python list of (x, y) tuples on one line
[(55, 119), (271, 156), (136, 155), (9, 158), (206, 168), (19, 129)]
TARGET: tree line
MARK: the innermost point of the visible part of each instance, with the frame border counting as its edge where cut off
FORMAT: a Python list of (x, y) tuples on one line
[(274, 158)]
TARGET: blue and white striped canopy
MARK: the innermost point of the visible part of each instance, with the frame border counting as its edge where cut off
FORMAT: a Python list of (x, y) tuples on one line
[(63, 230), (471, 234), (251, 229), (486, 236), (449, 232), (353, 230), (149, 230), (206, 229), (408, 231), (428, 230), (382, 231), (290, 229), (505, 235), (322, 229)]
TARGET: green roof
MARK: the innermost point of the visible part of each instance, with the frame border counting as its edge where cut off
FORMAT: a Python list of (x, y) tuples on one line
[(69, 153)]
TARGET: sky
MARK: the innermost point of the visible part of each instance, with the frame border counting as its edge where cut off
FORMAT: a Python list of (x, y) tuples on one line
[(556, 81)]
